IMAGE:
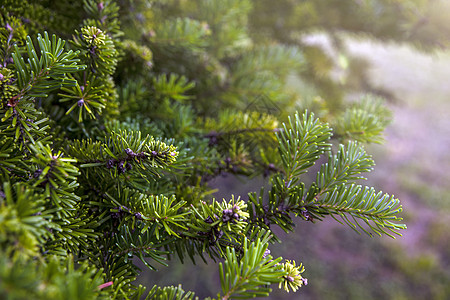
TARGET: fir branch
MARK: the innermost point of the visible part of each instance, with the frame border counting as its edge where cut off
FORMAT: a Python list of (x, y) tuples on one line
[(238, 122), (214, 135), (180, 32), (89, 97), (150, 209), (301, 143), (247, 278), (22, 279), (170, 293), (219, 220), (364, 121), (275, 60), (10, 161), (377, 211), (124, 152), (104, 15), (56, 176), (25, 124), (140, 242), (172, 87), (227, 21), (346, 165), (24, 222), (74, 232), (45, 73), (96, 49)]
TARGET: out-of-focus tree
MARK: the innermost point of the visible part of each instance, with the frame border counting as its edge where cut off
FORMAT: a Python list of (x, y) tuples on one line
[(422, 24)]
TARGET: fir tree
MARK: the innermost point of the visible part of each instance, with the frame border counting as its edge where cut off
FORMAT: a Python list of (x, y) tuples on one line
[(115, 115)]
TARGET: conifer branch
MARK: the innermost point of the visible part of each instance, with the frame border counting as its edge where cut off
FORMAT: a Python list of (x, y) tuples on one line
[(364, 121), (170, 293), (243, 278), (347, 165), (107, 149), (181, 32), (45, 73), (377, 211), (301, 142)]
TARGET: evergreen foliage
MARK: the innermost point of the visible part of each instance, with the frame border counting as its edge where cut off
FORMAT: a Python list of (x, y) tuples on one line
[(108, 142)]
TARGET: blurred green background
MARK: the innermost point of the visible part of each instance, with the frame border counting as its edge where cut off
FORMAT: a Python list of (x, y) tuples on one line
[(413, 164)]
